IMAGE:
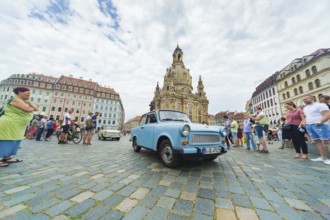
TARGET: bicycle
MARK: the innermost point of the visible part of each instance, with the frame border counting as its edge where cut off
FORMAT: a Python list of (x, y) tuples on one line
[(74, 134)]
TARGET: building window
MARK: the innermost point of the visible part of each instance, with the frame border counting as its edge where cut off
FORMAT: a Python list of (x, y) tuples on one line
[(49, 86), (38, 100), (59, 109), (43, 109), (314, 70), (40, 92), (285, 84), (298, 78), (308, 73), (301, 90), (29, 83), (317, 83), (63, 87), (288, 95), (82, 119), (70, 88), (53, 108), (58, 86), (293, 80), (310, 86), (42, 85), (295, 91)]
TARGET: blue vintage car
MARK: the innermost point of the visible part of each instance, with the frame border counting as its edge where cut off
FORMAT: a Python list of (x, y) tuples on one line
[(175, 137)]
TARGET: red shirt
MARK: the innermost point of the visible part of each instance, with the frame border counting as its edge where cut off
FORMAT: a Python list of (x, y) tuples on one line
[(293, 117)]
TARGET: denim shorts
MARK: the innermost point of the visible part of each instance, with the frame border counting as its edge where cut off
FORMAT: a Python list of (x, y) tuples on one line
[(234, 134), (260, 131), (319, 132)]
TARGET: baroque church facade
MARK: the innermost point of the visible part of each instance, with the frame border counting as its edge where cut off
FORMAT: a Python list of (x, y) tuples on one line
[(177, 92)]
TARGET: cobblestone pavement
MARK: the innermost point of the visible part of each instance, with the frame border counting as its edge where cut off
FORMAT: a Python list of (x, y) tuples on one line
[(107, 180)]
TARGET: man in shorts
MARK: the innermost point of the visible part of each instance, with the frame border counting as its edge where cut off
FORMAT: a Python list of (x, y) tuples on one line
[(317, 116), (234, 130), (261, 120), (89, 129), (65, 127)]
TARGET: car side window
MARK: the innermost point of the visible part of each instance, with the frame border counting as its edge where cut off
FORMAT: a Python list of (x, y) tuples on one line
[(143, 120), (151, 119)]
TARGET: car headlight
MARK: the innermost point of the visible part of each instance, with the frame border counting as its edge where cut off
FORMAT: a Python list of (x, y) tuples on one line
[(185, 130)]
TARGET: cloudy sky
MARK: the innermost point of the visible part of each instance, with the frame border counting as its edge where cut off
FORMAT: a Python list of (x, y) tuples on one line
[(128, 44)]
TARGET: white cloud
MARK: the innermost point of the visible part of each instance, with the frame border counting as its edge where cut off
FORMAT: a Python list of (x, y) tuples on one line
[(231, 44)]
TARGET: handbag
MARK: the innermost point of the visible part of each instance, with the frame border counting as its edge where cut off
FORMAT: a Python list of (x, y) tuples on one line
[(286, 126)]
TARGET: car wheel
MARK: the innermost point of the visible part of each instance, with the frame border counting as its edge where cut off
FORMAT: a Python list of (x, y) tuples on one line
[(118, 139), (211, 158), (99, 137), (135, 146), (167, 155), (104, 138)]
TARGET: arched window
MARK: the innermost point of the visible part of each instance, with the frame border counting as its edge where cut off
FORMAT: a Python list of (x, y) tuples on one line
[(308, 73), (283, 96), (317, 83), (295, 91), (293, 80), (314, 70), (288, 95), (298, 78), (310, 86), (301, 90), (286, 84)]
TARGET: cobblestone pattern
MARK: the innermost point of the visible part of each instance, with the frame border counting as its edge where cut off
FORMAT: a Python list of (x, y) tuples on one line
[(107, 180)]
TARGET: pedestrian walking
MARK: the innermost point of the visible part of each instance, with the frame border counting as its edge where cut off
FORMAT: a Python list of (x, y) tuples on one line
[(227, 127), (247, 129), (240, 135), (50, 129), (294, 121), (261, 121), (18, 113), (41, 127), (65, 127), (89, 129), (317, 115), (234, 130)]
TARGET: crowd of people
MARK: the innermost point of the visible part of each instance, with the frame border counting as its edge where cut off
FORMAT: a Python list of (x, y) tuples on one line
[(312, 122), (302, 125)]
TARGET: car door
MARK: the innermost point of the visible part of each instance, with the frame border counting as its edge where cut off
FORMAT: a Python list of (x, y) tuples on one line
[(147, 131)]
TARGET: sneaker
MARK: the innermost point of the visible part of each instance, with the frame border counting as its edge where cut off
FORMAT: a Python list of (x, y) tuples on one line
[(264, 151), (319, 159), (327, 162)]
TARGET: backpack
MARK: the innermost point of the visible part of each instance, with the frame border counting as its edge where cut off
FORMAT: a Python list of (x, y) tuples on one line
[(89, 124), (2, 109)]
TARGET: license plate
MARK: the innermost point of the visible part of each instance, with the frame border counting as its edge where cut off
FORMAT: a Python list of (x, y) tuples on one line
[(215, 150)]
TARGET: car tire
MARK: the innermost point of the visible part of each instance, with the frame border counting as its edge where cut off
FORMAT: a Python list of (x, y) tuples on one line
[(167, 155), (210, 158), (118, 139), (99, 137), (104, 138), (136, 148)]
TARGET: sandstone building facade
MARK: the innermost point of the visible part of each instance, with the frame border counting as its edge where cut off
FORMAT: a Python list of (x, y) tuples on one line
[(177, 91)]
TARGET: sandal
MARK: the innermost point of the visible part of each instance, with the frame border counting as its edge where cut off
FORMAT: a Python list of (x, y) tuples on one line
[(2, 164), (11, 160)]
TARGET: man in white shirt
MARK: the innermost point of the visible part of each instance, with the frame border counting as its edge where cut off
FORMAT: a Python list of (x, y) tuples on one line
[(65, 127), (317, 115)]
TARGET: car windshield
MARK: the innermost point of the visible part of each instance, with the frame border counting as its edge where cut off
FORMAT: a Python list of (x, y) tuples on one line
[(173, 116)]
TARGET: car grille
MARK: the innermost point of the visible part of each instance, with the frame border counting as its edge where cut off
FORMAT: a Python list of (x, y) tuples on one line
[(196, 138)]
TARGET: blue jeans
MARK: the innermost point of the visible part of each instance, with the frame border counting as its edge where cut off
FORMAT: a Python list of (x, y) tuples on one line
[(39, 133), (248, 138)]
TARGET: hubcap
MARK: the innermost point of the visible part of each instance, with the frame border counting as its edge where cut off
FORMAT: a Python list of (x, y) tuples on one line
[(167, 154)]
